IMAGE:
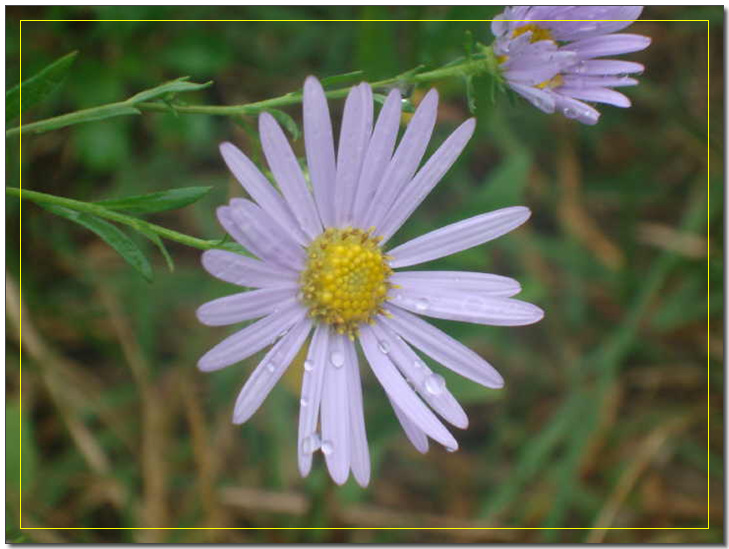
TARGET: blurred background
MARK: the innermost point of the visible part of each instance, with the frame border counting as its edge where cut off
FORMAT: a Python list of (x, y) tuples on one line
[(603, 420)]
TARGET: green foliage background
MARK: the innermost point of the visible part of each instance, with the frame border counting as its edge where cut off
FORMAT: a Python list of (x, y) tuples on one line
[(603, 421)]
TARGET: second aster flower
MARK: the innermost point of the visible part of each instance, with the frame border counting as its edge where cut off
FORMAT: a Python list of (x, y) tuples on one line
[(550, 55), (322, 268)]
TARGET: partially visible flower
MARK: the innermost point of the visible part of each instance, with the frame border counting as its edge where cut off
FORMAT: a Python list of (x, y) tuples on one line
[(322, 267), (549, 55)]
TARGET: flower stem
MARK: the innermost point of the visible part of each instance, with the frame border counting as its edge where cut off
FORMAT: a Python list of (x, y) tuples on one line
[(477, 64), (133, 222)]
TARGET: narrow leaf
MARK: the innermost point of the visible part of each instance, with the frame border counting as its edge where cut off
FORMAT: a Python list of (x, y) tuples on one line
[(157, 202), (174, 86), (471, 94), (161, 246), (287, 122), (78, 117), (339, 79), (37, 87), (110, 234)]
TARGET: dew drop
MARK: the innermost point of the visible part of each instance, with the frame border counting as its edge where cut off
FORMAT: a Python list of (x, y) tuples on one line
[(418, 364), (384, 348), (311, 444), (304, 401), (327, 447), (570, 112), (422, 304), (434, 384), (270, 366), (337, 359), (451, 450), (308, 365)]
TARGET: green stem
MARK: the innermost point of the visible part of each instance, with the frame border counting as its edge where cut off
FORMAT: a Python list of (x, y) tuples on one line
[(133, 222), (475, 65)]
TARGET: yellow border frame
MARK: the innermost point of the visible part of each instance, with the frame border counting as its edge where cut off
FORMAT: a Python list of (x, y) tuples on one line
[(708, 279)]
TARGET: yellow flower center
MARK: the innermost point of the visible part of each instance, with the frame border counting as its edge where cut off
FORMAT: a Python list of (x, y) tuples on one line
[(555, 82), (538, 33), (345, 280)]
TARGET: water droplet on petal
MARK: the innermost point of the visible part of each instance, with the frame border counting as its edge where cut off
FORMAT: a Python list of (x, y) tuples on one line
[(570, 112), (308, 365), (304, 401), (337, 359), (422, 304), (310, 444), (448, 449), (327, 447), (270, 366), (435, 384), (384, 348), (418, 364)]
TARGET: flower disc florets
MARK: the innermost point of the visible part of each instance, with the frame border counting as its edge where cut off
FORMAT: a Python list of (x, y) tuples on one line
[(346, 277)]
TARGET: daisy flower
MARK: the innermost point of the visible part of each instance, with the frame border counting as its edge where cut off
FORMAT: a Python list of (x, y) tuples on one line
[(321, 270), (550, 55)]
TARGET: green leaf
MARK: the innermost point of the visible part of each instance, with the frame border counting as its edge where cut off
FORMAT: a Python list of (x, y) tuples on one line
[(110, 234), (471, 94), (340, 79), (287, 122), (80, 117), (161, 246), (19, 433), (37, 87), (157, 202), (172, 87)]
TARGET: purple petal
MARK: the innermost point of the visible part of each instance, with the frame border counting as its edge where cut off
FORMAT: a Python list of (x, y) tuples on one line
[(379, 154), (311, 393), (442, 348), (541, 99), (577, 110), (611, 44), (261, 190), (353, 141), (597, 95), (431, 387), (614, 18), (359, 450), (335, 443), (427, 178), (254, 230), (287, 172), (245, 271), (235, 308), (463, 281), (269, 371), (414, 433), (453, 304), (319, 142), (459, 236), (400, 392), (406, 160), (579, 81), (606, 67), (252, 339)]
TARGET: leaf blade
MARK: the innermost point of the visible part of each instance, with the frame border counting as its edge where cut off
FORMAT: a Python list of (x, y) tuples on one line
[(37, 87), (110, 234), (173, 86), (157, 202)]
